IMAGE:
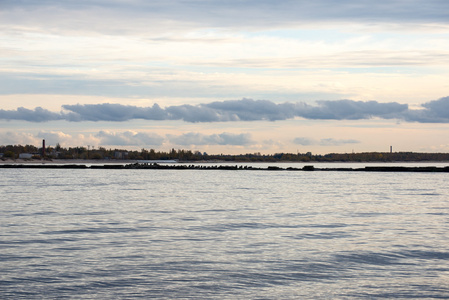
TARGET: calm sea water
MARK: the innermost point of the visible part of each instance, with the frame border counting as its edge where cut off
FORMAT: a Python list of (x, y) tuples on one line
[(120, 234)]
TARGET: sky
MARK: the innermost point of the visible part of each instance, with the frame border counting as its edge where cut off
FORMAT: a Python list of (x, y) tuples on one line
[(231, 77)]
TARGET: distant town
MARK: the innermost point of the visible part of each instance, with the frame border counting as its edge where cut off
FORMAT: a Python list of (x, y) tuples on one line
[(33, 153)]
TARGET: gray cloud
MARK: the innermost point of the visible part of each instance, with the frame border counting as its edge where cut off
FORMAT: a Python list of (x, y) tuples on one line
[(39, 114), (113, 112), (237, 110), (436, 111), (350, 110), (189, 113), (304, 141), (252, 110), (224, 138)]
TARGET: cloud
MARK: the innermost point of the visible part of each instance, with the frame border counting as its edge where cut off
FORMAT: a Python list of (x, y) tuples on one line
[(113, 112), (37, 115), (350, 110), (252, 110), (436, 111), (12, 138), (341, 59), (145, 17), (336, 142), (304, 141), (193, 114), (129, 138), (224, 138), (54, 137), (237, 110), (125, 138)]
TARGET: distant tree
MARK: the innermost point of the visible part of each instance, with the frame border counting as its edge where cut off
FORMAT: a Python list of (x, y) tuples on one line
[(9, 154), (96, 156)]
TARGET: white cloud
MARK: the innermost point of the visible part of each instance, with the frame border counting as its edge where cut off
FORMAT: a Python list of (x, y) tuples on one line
[(16, 138), (129, 138), (337, 142), (54, 137), (304, 141), (224, 138)]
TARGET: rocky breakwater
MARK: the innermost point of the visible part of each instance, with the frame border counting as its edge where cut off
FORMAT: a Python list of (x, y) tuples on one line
[(156, 166)]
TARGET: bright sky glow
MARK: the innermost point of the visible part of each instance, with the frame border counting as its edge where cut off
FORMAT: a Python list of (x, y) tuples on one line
[(207, 64)]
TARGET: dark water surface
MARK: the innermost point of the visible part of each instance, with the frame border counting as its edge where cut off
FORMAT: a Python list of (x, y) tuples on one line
[(120, 234)]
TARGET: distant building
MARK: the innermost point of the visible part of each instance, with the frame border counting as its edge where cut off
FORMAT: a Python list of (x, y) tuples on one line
[(55, 154), (1, 155), (120, 155), (25, 155)]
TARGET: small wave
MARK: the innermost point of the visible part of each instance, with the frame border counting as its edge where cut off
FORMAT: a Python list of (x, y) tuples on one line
[(13, 257), (44, 213), (421, 254), (37, 241), (335, 225), (324, 235), (371, 258), (93, 230), (92, 213)]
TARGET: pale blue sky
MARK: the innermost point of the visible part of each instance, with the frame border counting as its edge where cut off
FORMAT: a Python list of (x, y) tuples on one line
[(193, 59)]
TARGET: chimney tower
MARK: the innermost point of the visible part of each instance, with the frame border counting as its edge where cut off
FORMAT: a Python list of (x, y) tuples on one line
[(43, 148)]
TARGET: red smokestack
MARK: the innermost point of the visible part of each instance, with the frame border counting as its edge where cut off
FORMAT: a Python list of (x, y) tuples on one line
[(43, 148)]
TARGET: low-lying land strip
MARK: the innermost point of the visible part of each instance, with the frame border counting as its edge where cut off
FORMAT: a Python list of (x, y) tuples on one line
[(156, 166)]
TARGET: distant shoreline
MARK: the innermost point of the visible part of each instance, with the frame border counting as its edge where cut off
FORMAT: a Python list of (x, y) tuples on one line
[(58, 161), (66, 161)]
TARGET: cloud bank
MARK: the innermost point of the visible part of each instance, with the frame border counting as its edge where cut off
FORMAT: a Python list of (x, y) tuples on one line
[(224, 138), (39, 114), (128, 138), (178, 14), (436, 111)]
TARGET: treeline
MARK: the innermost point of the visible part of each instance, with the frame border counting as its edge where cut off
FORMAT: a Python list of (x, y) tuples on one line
[(58, 152), (337, 157)]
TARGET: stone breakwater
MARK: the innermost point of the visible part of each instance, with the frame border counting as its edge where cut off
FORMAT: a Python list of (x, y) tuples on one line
[(153, 166)]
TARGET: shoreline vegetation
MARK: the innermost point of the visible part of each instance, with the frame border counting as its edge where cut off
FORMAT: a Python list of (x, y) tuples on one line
[(157, 166), (58, 154)]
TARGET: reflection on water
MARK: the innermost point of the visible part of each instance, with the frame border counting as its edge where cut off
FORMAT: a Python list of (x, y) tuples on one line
[(223, 234)]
